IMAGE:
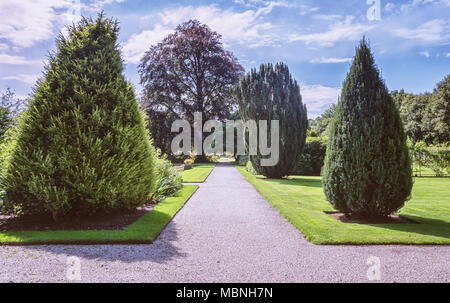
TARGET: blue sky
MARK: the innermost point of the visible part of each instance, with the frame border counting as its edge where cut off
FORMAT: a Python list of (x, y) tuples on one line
[(317, 39)]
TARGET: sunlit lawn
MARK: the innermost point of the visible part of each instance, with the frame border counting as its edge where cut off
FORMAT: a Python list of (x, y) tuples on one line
[(302, 202), (198, 173)]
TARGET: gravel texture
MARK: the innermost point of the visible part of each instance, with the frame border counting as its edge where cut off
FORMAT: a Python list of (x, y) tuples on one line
[(227, 232)]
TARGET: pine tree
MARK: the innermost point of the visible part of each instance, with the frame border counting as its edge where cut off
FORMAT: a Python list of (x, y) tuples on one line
[(272, 94), (367, 168), (83, 147)]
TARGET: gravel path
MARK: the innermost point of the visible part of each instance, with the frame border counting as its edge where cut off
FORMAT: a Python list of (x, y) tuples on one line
[(226, 232)]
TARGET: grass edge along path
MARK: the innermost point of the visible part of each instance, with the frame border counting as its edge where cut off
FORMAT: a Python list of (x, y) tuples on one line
[(144, 230), (198, 174), (302, 202)]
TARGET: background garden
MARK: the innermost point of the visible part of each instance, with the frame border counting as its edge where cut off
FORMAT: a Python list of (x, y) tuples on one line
[(85, 149)]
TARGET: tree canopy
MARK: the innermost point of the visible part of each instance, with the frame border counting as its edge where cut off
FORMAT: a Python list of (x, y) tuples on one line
[(189, 71)]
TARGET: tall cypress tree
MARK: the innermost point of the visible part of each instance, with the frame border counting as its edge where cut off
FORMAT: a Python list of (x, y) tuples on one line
[(272, 94), (83, 147), (367, 168)]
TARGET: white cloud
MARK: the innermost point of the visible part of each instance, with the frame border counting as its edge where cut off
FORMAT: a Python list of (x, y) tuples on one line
[(304, 10), (406, 8), (447, 55), (138, 44), (101, 3), (327, 17), (17, 60), (318, 98), (425, 54), (25, 23), (245, 28), (431, 31), (331, 60), (339, 31), (26, 78), (241, 27), (3, 47), (389, 7)]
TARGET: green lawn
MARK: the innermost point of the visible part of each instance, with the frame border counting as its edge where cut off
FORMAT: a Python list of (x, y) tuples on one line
[(302, 202), (144, 230), (198, 173)]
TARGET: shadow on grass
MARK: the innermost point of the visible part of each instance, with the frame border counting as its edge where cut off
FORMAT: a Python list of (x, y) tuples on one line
[(309, 182), (426, 226), (162, 250)]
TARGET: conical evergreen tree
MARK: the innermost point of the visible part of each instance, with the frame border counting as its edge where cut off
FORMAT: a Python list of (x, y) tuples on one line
[(83, 147), (367, 168), (272, 94)]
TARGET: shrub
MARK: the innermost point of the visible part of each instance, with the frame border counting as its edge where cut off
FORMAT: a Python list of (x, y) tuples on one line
[(6, 147), (82, 146), (439, 159), (188, 163), (7, 144), (192, 156), (212, 158), (169, 180), (242, 160), (367, 168), (311, 160), (250, 169), (420, 156), (272, 94)]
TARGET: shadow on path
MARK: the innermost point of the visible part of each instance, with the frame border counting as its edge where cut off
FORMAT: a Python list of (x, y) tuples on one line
[(160, 251)]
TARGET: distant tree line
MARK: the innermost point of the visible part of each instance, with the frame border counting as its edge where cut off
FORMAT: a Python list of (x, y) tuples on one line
[(425, 117)]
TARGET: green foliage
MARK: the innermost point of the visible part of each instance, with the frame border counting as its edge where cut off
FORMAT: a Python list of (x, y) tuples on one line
[(82, 146), (169, 180), (412, 109), (242, 160), (434, 157), (10, 107), (320, 127), (426, 117), (438, 115), (367, 167), (6, 147), (188, 71), (272, 94), (249, 168), (188, 163), (311, 160)]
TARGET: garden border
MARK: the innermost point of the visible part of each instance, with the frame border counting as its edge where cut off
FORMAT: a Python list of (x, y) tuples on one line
[(315, 237), (143, 231)]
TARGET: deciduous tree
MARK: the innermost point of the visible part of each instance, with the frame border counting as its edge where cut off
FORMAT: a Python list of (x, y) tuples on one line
[(189, 71)]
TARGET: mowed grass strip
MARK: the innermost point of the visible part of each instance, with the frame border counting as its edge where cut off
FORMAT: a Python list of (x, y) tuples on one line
[(144, 230), (301, 200), (198, 173)]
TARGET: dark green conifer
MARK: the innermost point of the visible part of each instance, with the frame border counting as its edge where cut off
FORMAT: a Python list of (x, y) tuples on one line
[(272, 94), (83, 147), (367, 168)]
